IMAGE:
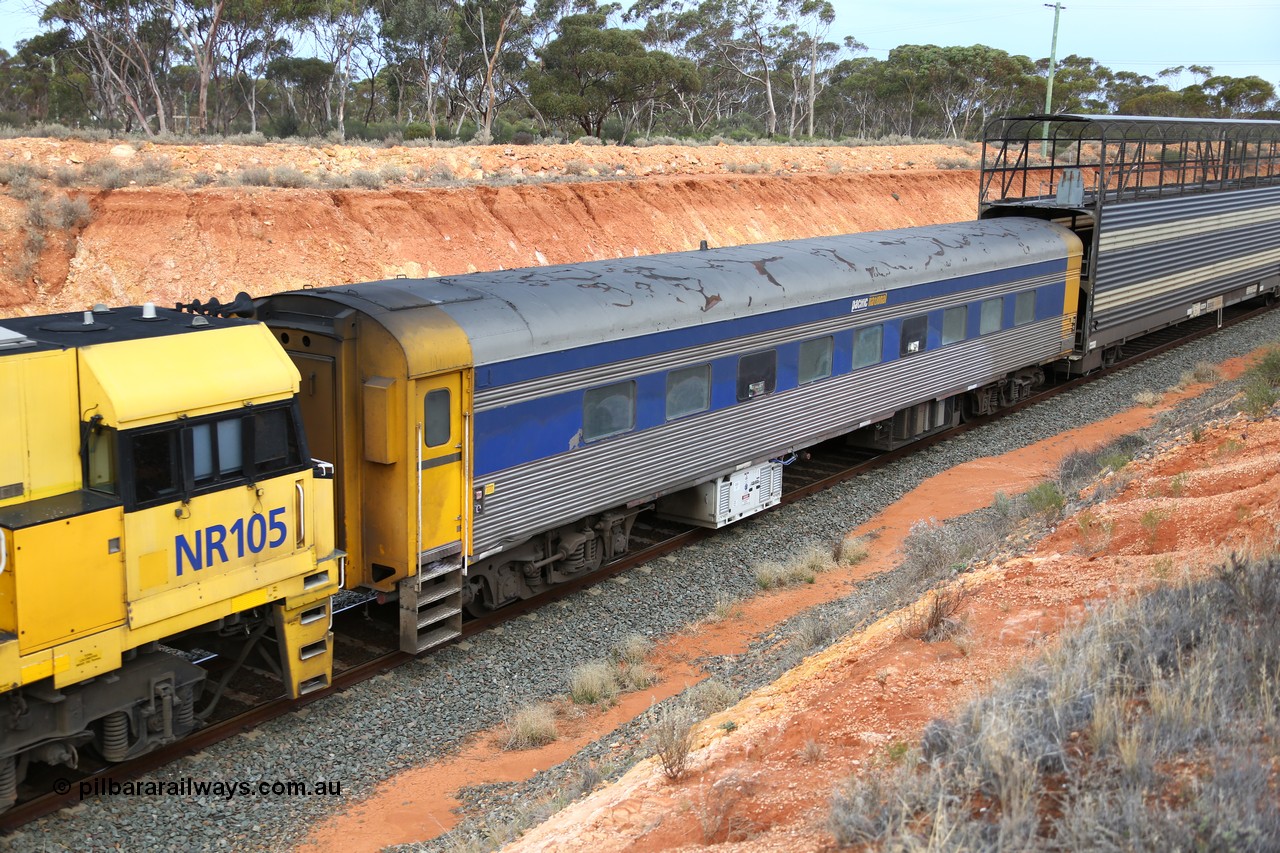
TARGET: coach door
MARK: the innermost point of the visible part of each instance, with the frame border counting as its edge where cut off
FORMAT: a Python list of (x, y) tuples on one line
[(318, 400), (442, 465)]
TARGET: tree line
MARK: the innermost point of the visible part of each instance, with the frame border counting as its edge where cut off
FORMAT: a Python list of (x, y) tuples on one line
[(503, 70)]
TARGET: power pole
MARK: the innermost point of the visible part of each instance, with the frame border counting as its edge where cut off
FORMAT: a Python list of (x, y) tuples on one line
[(1053, 61)]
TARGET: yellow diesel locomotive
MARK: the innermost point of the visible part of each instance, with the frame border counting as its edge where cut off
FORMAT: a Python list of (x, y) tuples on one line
[(156, 496)]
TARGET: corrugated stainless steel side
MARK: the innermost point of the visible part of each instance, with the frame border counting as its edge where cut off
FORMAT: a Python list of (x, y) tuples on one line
[(1170, 253), (493, 398), (549, 492)]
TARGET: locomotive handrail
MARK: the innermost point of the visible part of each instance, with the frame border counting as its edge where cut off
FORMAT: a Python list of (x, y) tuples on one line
[(4, 552), (302, 514)]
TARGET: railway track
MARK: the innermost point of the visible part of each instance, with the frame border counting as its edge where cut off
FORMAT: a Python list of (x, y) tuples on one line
[(365, 630)]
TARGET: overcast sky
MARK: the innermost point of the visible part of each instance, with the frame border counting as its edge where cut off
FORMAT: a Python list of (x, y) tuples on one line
[(1236, 37)]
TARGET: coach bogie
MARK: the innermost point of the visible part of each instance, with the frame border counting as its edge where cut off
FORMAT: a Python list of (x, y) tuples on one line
[(554, 557)]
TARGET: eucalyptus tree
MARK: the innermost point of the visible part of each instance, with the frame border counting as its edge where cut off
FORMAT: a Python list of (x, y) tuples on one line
[(591, 70), (1080, 85), (305, 83), (340, 28), (849, 104), (748, 37), (675, 27), (254, 33), (417, 35), (490, 33), (42, 81), (127, 47), (1239, 97)]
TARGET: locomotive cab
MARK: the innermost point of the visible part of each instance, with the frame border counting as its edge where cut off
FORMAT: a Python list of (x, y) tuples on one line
[(157, 504)]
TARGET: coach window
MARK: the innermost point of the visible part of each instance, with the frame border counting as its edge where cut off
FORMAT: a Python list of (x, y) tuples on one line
[(992, 316), (954, 322), (815, 359), (868, 343), (757, 374), (688, 391), (914, 334), (608, 411), (435, 417), (1024, 308)]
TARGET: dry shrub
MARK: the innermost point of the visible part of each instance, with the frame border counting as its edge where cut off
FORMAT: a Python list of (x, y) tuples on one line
[(365, 179), (290, 177), (934, 618), (149, 172), (393, 173), (634, 648), (67, 213), (671, 740), (802, 568), (254, 176), (710, 697), (635, 676), (1089, 747)]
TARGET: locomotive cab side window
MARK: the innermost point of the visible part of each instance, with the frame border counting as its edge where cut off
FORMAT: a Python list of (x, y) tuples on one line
[(182, 459), (992, 316), (100, 458), (815, 359), (757, 374), (954, 322), (155, 466), (915, 332), (868, 343), (437, 428), (1024, 308), (688, 391), (275, 442), (609, 410)]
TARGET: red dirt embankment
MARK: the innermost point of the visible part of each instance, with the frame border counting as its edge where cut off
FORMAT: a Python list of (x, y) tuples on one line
[(176, 242)]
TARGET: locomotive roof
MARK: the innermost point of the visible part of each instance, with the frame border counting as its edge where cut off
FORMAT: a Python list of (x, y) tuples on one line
[(513, 313), (69, 331)]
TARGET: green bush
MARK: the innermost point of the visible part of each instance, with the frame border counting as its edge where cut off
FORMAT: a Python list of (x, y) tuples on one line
[(1046, 499)]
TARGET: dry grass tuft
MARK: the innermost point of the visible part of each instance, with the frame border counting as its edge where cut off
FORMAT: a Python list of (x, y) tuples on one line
[(593, 683), (530, 726)]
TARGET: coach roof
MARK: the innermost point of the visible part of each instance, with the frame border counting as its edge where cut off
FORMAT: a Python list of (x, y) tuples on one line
[(514, 313)]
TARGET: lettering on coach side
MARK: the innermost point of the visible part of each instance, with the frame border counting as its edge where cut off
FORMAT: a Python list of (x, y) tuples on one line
[(864, 302), (250, 535)]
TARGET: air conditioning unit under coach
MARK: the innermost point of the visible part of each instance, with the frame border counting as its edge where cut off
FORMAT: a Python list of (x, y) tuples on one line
[(727, 498)]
